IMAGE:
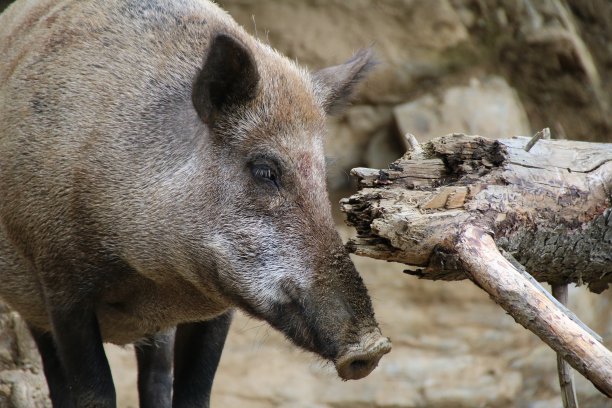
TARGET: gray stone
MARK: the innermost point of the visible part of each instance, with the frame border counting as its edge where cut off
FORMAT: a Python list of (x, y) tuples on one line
[(22, 384), (489, 108), (343, 150)]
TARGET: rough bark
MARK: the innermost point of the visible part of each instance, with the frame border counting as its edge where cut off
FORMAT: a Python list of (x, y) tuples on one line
[(549, 207), (22, 383), (448, 208)]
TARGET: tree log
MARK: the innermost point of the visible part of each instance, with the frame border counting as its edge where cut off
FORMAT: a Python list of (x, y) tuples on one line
[(549, 207), (446, 210)]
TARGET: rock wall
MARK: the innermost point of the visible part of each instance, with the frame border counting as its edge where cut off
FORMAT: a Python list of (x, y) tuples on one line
[(22, 384)]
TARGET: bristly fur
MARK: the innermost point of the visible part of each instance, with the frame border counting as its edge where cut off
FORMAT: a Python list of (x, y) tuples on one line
[(126, 186)]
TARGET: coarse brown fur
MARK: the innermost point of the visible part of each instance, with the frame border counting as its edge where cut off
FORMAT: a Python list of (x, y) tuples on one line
[(116, 192)]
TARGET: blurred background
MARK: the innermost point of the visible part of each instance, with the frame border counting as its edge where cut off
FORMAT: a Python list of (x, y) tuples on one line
[(497, 68), (492, 67)]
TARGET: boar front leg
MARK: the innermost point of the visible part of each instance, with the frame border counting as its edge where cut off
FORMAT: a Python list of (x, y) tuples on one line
[(54, 372), (154, 356), (79, 346), (197, 352)]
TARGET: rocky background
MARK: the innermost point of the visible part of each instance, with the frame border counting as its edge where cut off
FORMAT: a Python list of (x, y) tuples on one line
[(497, 68), (492, 67)]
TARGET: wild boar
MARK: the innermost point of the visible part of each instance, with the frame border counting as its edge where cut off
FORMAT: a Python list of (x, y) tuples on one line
[(159, 167)]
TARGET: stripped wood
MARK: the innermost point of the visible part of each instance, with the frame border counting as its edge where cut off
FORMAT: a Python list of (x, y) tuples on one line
[(550, 207)]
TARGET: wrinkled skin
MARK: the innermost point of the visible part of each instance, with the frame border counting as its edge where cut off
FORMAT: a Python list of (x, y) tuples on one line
[(158, 167)]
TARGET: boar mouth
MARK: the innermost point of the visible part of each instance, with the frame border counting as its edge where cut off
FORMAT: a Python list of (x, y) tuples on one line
[(360, 359), (299, 327), (355, 353), (353, 361)]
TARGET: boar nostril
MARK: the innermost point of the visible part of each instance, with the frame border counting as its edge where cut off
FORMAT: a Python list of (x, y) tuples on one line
[(359, 365)]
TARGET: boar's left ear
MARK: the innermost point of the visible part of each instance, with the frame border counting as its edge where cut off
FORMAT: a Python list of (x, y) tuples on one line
[(336, 85), (228, 78)]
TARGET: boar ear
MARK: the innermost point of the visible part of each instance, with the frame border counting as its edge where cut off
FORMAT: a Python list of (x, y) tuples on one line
[(336, 85), (229, 77)]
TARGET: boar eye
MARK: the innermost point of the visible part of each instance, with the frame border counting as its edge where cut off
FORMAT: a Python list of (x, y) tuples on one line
[(265, 172)]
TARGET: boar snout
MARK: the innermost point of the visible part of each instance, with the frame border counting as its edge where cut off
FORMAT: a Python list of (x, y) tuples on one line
[(334, 318), (360, 359)]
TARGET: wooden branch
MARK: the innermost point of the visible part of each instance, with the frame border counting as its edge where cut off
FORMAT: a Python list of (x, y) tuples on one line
[(544, 133), (549, 207), (488, 268), (446, 211), (560, 305), (415, 149), (566, 375)]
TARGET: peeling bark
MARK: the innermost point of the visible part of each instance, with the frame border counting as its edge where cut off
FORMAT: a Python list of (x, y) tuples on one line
[(550, 207), (450, 208)]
